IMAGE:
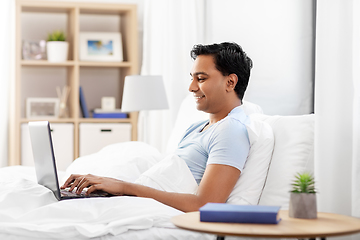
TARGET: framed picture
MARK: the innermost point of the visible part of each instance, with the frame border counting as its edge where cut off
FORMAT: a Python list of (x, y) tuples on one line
[(34, 50), (101, 46), (42, 108)]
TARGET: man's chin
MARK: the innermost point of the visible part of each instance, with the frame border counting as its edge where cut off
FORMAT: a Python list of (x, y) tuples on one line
[(199, 108)]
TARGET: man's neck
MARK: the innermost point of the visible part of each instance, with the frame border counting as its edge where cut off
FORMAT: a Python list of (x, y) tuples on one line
[(222, 113)]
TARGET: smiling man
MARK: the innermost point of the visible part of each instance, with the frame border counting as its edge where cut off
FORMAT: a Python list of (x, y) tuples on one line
[(220, 145), (215, 150)]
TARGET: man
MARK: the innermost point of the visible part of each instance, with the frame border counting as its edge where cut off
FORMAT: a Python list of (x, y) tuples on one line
[(214, 150)]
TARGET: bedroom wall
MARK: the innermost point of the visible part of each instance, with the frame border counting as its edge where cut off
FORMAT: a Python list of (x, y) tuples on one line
[(278, 37)]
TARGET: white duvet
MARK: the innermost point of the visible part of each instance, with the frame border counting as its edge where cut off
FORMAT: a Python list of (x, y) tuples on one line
[(28, 209)]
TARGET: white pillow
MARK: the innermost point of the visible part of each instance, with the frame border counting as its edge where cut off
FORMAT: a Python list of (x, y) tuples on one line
[(125, 161), (250, 185), (171, 175), (251, 108), (293, 152)]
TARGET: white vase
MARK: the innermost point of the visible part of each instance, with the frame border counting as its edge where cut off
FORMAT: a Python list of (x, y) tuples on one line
[(303, 205), (57, 51)]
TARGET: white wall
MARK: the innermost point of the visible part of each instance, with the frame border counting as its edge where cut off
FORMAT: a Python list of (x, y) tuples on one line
[(278, 36)]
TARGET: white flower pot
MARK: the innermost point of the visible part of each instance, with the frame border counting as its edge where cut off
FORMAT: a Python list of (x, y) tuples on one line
[(303, 205), (57, 51)]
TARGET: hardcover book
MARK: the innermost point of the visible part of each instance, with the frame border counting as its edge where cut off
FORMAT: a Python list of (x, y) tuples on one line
[(109, 115), (116, 113), (83, 105), (222, 212)]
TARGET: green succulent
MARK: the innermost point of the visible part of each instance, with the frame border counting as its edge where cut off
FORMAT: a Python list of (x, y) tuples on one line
[(304, 183), (56, 36)]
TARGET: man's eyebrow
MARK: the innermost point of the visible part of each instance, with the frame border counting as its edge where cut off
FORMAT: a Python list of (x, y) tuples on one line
[(198, 73)]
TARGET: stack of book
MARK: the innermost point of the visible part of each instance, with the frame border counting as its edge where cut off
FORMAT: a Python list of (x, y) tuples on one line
[(99, 112), (221, 212), (116, 113)]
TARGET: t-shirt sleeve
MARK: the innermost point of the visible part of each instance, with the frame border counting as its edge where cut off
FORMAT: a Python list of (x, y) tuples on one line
[(229, 144)]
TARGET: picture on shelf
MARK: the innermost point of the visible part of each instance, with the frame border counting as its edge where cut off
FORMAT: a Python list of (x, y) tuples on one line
[(42, 108), (96, 47), (34, 50), (102, 46)]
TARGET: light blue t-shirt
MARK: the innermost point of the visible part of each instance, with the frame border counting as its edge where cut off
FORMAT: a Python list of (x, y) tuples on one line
[(225, 142)]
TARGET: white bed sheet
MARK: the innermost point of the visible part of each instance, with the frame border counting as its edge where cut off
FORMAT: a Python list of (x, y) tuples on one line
[(30, 211)]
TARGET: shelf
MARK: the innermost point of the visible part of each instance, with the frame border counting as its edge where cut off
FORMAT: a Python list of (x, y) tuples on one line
[(79, 120), (55, 120), (100, 9), (46, 63), (104, 120), (39, 78), (39, 7), (105, 64)]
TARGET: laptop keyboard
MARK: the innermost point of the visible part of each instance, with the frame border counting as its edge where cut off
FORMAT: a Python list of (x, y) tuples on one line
[(67, 193)]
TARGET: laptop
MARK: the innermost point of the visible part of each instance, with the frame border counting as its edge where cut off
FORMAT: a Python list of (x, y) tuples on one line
[(45, 165)]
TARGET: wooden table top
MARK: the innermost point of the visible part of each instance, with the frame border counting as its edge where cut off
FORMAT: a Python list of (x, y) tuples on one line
[(326, 225)]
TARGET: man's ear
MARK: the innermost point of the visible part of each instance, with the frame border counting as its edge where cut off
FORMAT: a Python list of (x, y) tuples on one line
[(231, 82)]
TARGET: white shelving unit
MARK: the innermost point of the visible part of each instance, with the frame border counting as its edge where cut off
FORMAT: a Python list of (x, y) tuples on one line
[(39, 78)]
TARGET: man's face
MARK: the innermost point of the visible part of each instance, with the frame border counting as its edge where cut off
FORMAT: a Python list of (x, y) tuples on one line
[(208, 85)]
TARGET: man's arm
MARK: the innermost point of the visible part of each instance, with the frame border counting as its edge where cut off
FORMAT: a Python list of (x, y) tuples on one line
[(216, 185)]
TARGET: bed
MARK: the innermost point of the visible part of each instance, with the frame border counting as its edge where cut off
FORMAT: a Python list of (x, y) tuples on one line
[(280, 147)]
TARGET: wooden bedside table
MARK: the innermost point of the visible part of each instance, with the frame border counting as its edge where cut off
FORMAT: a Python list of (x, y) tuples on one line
[(326, 225)]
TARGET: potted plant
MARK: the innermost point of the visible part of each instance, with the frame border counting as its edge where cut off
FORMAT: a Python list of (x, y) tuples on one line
[(303, 197), (57, 47)]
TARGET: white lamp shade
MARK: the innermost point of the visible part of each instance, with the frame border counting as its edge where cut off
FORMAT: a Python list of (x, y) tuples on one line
[(143, 93)]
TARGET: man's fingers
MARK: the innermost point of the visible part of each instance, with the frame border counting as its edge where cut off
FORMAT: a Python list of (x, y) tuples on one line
[(82, 184), (75, 183), (69, 181), (91, 189)]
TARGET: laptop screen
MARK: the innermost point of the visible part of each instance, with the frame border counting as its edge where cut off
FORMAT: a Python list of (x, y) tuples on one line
[(44, 158)]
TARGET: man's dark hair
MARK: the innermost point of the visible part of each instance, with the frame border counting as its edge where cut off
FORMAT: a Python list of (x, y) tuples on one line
[(229, 59)]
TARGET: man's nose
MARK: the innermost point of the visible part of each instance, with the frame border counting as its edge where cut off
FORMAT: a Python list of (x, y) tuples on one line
[(193, 87)]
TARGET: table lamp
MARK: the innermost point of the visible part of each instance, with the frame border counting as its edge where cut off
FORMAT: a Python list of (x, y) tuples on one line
[(143, 93)]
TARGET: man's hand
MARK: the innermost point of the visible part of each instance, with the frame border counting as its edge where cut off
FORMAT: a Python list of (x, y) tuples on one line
[(94, 183)]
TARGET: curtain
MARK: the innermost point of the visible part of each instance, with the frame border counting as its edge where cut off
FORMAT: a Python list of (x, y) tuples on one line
[(337, 106), (7, 66), (171, 28), (356, 111)]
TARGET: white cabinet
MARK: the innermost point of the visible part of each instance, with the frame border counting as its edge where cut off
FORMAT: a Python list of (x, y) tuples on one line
[(95, 136), (62, 135)]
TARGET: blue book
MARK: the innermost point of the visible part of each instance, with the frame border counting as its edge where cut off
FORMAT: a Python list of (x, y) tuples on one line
[(109, 115), (222, 212), (83, 106)]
